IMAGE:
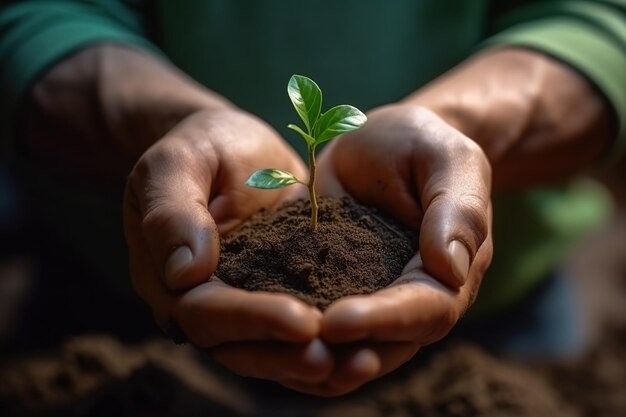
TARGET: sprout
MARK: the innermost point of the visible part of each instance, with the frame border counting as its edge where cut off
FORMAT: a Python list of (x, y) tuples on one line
[(319, 127)]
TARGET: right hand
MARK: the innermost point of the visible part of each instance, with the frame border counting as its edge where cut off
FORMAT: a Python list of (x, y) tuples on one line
[(436, 181), (183, 192)]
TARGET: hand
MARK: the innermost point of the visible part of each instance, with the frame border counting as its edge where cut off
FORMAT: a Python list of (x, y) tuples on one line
[(183, 192), (427, 175)]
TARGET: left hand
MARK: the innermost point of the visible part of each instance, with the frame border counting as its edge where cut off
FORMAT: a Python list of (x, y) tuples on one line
[(187, 190), (413, 165)]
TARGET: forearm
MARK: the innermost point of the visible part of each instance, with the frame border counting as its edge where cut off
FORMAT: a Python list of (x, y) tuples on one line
[(95, 112), (536, 119)]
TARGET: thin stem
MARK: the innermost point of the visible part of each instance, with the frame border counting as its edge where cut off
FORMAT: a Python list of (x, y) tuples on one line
[(311, 187)]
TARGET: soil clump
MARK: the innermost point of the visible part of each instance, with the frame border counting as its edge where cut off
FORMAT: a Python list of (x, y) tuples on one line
[(355, 250)]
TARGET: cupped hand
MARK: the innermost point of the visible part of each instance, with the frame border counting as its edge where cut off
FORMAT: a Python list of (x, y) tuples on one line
[(186, 190), (411, 164)]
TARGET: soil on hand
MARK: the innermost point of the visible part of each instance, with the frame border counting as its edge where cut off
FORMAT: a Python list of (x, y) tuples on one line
[(355, 250)]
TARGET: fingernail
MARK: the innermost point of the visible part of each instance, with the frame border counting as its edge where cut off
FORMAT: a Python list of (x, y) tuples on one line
[(459, 259), (316, 364), (365, 363), (316, 353), (176, 264)]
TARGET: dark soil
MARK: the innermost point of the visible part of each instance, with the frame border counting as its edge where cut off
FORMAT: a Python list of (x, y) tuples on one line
[(355, 250), (596, 385), (98, 376), (461, 381)]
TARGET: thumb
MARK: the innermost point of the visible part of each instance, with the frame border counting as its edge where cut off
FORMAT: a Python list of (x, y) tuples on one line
[(452, 233), (170, 189), (457, 215)]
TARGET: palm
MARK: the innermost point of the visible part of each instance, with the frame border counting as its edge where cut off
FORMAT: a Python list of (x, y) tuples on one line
[(186, 190), (409, 163)]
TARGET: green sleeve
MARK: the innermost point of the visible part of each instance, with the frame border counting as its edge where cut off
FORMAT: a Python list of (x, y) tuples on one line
[(36, 34), (588, 35)]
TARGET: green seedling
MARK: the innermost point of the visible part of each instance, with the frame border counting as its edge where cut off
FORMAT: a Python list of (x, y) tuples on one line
[(319, 127)]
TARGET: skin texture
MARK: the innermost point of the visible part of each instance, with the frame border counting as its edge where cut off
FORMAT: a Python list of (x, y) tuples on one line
[(524, 109), (521, 109), (431, 161)]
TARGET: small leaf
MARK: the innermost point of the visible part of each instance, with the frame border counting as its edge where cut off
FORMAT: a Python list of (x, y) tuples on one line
[(271, 178), (338, 120), (308, 138), (306, 97)]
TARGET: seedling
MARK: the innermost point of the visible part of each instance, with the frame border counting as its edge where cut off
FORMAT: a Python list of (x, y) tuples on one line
[(319, 127)]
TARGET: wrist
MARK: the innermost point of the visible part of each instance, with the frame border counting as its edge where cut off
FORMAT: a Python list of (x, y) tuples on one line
[(144, 97), (524, 109), (96, 111), (490, 98)]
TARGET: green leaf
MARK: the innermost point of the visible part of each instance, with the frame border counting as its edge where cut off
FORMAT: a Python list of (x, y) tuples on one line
[(338, 120), (308, 138), (306, 97), (271, 178)]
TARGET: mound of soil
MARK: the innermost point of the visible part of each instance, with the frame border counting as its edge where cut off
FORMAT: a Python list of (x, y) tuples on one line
[(596, 384), (355, 250), (97, 375), (461, 381)]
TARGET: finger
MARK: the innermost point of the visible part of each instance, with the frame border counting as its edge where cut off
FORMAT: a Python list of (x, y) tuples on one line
[(309, 363), (214, 313), (416, 308), (169, 189), (376, 177), (143, 270), (455, 196), (357, 366)]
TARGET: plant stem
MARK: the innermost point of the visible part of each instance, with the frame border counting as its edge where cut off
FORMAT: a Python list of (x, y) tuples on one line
[(311, 187)]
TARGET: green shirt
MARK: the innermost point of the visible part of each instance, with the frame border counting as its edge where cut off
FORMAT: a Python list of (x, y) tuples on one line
[(362, 52)]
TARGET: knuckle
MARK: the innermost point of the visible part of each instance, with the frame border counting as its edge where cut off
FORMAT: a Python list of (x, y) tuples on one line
[(157, 216), (158, 162), (473, 293), (442, 326), (475, 213), (293, 311), (198, 327)]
